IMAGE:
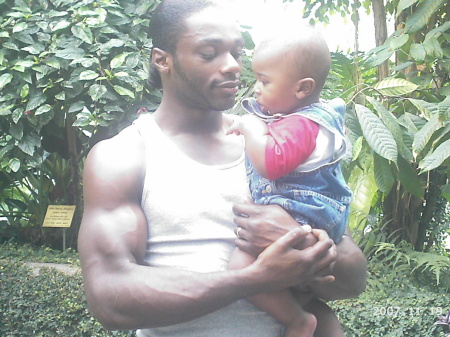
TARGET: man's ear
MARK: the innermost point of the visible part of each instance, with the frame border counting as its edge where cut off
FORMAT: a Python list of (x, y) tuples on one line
[(160, 59), (305, 87)]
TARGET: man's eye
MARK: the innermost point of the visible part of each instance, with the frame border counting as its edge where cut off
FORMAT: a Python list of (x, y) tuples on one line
[(208, 56), (238, 54)]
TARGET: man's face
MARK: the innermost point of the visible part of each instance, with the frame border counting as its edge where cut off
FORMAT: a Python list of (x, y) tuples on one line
[(207, 61)]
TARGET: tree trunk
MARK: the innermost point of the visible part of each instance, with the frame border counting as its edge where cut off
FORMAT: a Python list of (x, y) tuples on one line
[(75, 191), (379, 16)]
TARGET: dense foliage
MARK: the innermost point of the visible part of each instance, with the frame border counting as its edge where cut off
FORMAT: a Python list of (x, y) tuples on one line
[(396, 302)]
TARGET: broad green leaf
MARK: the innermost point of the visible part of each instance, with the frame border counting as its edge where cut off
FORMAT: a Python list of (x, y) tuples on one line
[(19, 27), (60, 25), (383, 174), (70, 53), (435, 158), (96, 91), (16, 130), (377, 134), (418, 52), (118, 60), (364, 188), (357, 147), (42, 109), (422, 14), (24, 91), (399, 41), (403, 4), (5, 79), (393, 125), (88, 75), (28, 144), (123, 91), (395, 87), (14, 164), (83, 33), (422, 137), (36, 99), (438, 31), (409, 178)]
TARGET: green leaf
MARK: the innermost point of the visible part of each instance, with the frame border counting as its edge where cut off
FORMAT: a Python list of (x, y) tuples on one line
[(377, 134), (24, 91), (422, 137), (16, 130), (59, 25), (393, 125), (118, 60), (14, 164), (383, 174), (123, 91), (363, 185), (36, 99), (83, 33), (395, 87), (418, 52), (70, 53), (28, 144), (409, 179), (96, 91), (436, 158), (19, 27), (43, 109), (421, 16), (5, 79), (88, 75), (398, 41), (403, 4)]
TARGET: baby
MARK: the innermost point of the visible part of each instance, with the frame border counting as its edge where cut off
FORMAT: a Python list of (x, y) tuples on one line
[(294, 143)]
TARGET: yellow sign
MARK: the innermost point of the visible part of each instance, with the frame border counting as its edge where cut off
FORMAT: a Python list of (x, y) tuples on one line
[(59, 216)]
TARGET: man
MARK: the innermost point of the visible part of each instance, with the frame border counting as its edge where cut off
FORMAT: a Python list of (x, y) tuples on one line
[(157, 228)]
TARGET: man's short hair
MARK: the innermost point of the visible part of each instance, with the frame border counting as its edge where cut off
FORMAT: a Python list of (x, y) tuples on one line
[(166, 25)]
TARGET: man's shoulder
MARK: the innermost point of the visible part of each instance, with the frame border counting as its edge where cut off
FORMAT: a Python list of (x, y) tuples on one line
[(121, 152)]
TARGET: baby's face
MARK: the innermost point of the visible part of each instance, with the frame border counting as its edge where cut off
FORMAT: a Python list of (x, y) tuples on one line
[(276, 82)]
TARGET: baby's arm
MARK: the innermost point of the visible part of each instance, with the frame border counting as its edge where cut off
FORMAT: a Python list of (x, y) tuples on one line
[(256, 134)]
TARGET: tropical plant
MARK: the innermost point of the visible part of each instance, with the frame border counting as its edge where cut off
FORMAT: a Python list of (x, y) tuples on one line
[(71, 73)]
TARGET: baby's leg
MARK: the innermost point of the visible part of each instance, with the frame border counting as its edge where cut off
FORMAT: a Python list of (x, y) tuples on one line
[(328, 324), (281, 305)]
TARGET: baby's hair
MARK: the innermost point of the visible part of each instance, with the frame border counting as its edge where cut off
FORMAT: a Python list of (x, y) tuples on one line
[(304, 47)]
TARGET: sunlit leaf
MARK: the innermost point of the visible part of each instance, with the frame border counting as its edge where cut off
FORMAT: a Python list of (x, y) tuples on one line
[(418, 52), (123, 91), (403, 4), (83, 33), (88, 75), (395, 87), (377, 134), (422, 15), (383, 174), (5, 79), (422, 137), (436, 158)]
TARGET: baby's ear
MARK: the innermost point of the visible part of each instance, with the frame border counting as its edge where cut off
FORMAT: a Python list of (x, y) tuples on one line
[(305, 87)]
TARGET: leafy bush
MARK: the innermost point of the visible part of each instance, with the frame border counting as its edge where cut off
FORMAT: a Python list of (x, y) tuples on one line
[(394, 307), (49, 304)]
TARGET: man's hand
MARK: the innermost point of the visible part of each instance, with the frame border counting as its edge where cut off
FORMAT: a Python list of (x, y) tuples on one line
[(285, 266), (261, 225)]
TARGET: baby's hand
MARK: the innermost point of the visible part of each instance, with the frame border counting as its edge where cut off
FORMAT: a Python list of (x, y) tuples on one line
[(235, 126)]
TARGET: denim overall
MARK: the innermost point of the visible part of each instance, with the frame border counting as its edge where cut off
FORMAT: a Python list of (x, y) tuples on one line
[(320, 197)]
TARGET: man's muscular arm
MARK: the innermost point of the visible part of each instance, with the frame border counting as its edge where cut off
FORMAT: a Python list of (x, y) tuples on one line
[(123, 292)]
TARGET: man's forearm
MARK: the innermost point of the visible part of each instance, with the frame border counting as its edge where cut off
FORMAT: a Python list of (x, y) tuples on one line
[(146, 297)]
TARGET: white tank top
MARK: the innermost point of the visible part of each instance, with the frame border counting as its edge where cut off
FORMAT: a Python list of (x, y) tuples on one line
[(188, 206)]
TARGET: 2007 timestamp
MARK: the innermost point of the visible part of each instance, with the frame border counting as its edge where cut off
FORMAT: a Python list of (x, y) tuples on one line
[(407, 311)]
